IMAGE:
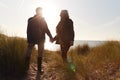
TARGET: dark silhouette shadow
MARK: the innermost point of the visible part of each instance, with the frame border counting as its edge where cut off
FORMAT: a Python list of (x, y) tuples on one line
[(38, 76), (65, 27), (36, 30)]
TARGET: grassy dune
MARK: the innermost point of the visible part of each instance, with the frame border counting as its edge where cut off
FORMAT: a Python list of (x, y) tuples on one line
[(97, 63), (12, 52)]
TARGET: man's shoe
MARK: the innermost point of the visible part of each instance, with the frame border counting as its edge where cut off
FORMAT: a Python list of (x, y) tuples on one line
[(40, 65)]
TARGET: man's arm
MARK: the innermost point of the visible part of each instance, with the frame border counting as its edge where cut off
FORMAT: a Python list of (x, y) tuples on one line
[(29, 27), (71, 32), (47, 31)]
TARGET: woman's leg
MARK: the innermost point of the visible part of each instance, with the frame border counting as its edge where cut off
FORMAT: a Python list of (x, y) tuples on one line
[(64, 50)]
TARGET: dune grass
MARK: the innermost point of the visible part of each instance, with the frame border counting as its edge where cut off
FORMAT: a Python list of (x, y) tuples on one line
[(12, 52), (103, 61), (100, 62), (57, 67), (97, 63)]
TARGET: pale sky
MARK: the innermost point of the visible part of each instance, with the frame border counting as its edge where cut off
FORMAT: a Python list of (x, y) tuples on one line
[(93, 19)]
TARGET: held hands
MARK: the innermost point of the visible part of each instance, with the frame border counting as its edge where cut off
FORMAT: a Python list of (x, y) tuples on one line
[(52, 40)]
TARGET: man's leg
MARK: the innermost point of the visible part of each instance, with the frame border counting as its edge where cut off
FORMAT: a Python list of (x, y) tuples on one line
[(40, 54), (28, 55), (64, 50), (29, 49)]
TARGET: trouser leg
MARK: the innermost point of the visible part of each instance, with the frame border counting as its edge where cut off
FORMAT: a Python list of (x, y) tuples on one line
[(29, 50), (64, 50), (40, 54), (39, 61), (28, 54)]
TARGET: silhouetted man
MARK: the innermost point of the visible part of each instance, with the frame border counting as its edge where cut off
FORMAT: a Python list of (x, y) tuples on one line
[(36, 29), (64, 33)]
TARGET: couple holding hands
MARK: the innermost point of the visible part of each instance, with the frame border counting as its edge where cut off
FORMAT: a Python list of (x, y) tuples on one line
[(36, 30)]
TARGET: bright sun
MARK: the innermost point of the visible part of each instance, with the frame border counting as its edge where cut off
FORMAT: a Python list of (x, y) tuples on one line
[(49, 10)]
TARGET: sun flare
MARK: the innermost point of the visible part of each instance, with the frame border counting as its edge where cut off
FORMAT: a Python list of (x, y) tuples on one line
[(49, 9), (49, 12)]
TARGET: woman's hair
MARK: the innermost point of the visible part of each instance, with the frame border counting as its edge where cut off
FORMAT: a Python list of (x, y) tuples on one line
[(64, 14)]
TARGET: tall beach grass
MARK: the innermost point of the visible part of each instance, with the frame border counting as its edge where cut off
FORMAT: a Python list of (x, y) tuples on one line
[(96, 63), (12, 52)]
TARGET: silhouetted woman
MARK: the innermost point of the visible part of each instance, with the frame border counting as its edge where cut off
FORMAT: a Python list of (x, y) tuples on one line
[(64, 33)]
